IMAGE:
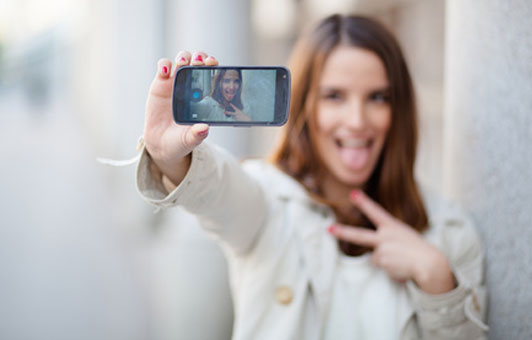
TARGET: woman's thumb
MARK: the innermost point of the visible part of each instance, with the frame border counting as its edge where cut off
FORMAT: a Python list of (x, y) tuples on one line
[(196, 134)]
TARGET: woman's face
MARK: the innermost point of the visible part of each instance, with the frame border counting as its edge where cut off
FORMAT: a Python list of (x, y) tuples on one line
[(353, 114), (230, 84)]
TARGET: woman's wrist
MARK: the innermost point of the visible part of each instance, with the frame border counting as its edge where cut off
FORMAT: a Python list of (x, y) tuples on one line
[(434, 275), (168, 185), (173, 171)]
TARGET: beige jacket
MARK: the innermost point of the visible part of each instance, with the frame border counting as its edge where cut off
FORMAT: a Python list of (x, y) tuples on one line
[(282, 260)]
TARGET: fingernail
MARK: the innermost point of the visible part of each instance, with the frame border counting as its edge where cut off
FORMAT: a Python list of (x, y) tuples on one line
[(203, 133), (331, 229), (165, 69), (183, 59), (354, 194), (198, 58)]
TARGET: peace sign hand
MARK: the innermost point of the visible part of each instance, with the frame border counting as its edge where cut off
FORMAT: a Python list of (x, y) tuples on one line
[(238, 114), (397, 248)]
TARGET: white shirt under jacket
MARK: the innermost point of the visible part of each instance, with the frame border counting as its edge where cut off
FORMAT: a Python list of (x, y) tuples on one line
[(364, 298), (283, 262)]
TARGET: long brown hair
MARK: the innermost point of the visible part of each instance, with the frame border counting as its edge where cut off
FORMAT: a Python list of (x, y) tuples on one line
[(392, 182)]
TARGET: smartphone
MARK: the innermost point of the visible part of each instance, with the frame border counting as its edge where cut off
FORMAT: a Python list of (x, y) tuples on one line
[(231, 95)]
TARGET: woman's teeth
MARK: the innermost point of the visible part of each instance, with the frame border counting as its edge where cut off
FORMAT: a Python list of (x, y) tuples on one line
[(354, 143)]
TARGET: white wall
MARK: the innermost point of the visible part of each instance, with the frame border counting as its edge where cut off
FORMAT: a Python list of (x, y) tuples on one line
[(73, 233)]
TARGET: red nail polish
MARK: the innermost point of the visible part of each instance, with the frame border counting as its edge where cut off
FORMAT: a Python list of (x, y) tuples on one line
[(354, 194), (182, 59), (203, 133), (198, 58), (331, 229), (165, 69)]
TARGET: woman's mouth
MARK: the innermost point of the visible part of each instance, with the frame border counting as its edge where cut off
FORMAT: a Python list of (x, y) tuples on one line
[(354, 152), (229, 95)]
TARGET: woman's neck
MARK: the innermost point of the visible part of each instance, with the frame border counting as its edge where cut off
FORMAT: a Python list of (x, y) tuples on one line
[(337, 192)]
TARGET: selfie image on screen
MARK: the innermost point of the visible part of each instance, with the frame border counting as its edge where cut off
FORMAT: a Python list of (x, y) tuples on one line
[(226, 95)]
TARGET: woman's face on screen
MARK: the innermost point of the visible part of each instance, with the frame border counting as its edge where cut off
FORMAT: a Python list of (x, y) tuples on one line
[(230, 84), (353, 114)]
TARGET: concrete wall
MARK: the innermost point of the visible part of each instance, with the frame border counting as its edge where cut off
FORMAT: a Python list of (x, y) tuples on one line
[(488, 132)]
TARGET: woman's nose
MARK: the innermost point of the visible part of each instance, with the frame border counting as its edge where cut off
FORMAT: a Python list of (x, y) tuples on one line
[(355, 116)]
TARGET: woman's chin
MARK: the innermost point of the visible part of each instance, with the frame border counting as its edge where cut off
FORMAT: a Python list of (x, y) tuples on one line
[(349, 176), (354, 180)]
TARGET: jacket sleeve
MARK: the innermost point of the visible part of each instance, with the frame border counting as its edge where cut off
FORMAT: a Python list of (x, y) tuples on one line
[(457, 314), (230, 205)]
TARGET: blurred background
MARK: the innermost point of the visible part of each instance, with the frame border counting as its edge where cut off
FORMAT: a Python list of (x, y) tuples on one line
[(83, 257)]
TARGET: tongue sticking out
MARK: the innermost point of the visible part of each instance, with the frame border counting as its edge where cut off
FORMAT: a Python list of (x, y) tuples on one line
[(354, 158)]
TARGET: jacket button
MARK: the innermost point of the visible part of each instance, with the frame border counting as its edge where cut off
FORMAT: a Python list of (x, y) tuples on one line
[(284, 295)]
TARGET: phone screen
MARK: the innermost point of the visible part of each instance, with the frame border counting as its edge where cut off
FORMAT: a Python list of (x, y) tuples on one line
[(231, 95)]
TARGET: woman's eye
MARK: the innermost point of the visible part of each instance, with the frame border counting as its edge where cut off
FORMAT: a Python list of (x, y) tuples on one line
[(333, 96), (380, 97)]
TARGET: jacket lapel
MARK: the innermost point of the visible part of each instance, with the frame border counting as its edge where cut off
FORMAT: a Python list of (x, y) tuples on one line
[(318, 249), (319, 252)]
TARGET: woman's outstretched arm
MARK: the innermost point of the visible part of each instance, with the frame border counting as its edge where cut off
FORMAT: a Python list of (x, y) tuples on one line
[(176, 168)]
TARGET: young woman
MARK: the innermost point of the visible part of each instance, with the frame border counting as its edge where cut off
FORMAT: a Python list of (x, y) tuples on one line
[(333, 239), (225, 102)]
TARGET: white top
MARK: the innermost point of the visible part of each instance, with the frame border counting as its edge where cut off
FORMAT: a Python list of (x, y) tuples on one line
[(208, 109), (366, 303)]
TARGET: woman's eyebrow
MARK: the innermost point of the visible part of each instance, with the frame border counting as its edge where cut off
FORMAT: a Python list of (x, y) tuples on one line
[(385, 88), (330, 88)]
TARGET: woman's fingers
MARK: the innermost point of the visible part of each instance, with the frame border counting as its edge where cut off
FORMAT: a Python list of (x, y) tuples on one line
[(184, 58), (356, 235), (235, 110), (161, 87), (211, 61), (238, 114), (164, 67), (198, 59), (195, 135), (181, 59), (377, 214)]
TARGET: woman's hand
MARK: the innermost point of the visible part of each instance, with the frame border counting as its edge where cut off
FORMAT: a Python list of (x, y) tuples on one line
[(238, 114), (168, 143), (398, 249)]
